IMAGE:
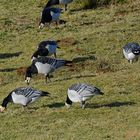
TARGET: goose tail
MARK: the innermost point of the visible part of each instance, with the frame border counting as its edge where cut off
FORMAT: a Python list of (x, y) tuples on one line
[(68, 63), (44, 93), (58, 47), (101, 93)]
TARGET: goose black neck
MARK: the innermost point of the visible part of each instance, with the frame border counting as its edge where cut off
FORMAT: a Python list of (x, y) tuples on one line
[(31, 70), (6, 100), (43, 51), (35, 54), (68, 101)]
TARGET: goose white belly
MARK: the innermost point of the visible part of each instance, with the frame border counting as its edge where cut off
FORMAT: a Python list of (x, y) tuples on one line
[(44, 68), (55, 16), (74, 96), (129, 56), (81, 92), (79, 96), (19, 99)]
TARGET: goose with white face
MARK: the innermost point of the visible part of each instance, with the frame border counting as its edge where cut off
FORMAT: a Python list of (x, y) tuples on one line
[(2, 108), (81, 93), (131, 51), (27, 80), (49, 15), (45, 65), (41, 25), (22, 96)]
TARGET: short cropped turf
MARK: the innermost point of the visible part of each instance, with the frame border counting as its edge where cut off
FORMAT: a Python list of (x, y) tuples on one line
[(93, 39)]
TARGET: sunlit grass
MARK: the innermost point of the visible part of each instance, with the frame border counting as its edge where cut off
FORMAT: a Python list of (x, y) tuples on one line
[(98, 35)]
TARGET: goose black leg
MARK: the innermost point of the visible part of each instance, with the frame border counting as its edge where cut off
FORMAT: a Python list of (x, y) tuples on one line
[(24, 107), (66, 7), (131, 61), (55, 55), (136, 59), (48, 77), (83, 104)]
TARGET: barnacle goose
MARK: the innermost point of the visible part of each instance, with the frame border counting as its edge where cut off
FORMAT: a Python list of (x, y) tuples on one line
[(80, 93), (131, 51), (45, 48), (54, 2), (44, 65), (49, 15), (23, 96)]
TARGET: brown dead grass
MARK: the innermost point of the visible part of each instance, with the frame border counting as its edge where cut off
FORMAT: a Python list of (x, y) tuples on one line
[(103, 66), (1, 81), (21, 70), (132, 134), (69, 41)]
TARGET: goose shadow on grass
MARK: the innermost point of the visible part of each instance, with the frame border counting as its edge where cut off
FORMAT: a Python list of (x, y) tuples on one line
[(113, 104), (75, 10), (8, 70), (62, 21), (55, 105), (83, 59), (72, 77), (9, 55), (86, 8), (62, 104)]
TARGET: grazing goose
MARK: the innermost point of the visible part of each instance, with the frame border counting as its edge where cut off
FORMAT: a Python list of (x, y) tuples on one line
[(81, 93), (45, 48), (23, 96), (44, 65), (49, 15), (54, 2), (131, 51)]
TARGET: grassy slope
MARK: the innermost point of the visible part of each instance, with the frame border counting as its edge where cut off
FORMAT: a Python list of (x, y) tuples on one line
[(100, 33)]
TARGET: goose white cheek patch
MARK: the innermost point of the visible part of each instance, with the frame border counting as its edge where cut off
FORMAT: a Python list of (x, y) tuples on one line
[(41, 25), (2, 109), (33, 58), (28, 79), (67, 105)]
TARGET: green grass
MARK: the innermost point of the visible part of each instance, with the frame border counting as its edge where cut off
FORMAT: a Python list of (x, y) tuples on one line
[(100, 35)]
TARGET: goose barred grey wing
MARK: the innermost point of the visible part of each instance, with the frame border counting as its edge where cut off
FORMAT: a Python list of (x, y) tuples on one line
[(84, 89), (56, 63), (27, 92), (82, 92)]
